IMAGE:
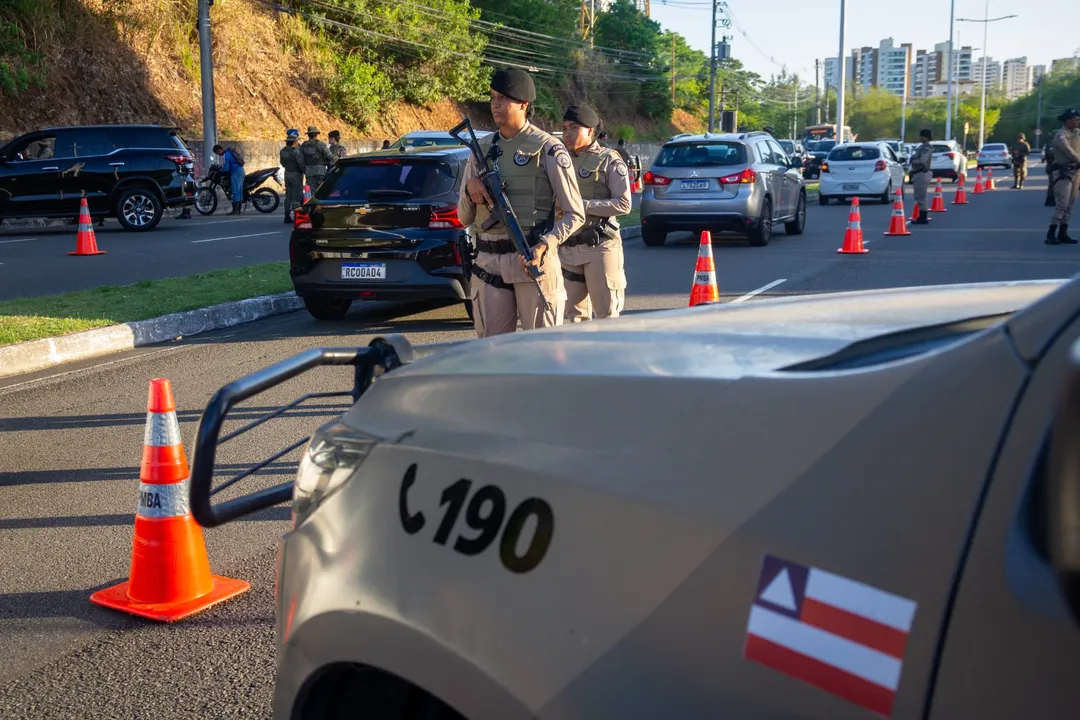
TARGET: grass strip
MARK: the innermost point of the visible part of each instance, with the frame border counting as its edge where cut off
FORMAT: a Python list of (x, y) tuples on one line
[(45, 316)]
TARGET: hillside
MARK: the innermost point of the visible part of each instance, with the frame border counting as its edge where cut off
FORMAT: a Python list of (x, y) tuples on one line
[(66, 62)]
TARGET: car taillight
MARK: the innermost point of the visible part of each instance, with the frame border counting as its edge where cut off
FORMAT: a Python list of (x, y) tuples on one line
[(179, 159), (457, 254), (301, 220), (824, 166), (950, 155), (445, 217), (745, 177), (879, 166), (651, 179), (385, 161)]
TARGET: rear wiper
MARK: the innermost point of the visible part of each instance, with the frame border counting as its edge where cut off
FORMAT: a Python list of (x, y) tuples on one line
[(394, 193)]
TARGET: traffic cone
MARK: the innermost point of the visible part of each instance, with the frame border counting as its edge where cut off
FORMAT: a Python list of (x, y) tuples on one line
[(938, 205), (978, 189), (307, 192), (853, 239), (170, 575), (990, 180), (915, 213), (704, 289), (897, 225), (86, 241), (960, 198)]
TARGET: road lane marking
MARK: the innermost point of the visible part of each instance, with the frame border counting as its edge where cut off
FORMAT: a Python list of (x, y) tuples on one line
[(5, 242), (760, 290), (237, 237)]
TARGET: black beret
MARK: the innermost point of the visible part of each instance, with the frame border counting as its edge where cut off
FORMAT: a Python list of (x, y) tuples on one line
[(925, 133), (515, 84), (582, 115), (1070, 113)]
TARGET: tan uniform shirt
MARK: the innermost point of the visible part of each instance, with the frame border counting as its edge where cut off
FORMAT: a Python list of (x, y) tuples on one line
[(617, 178), (1066, 145), (569, 207)]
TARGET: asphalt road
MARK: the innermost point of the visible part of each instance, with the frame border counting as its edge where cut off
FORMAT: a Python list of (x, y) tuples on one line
[(70, 442)]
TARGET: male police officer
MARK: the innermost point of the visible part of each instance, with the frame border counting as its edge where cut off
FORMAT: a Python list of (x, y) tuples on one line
[(1020, 152), (291, 158), (336, 148), (592, 259), (539, 182), (317, 158), (1066, 145), (920, 175)]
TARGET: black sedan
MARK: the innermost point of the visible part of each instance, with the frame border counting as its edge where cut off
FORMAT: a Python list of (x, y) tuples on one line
[(815, 154)]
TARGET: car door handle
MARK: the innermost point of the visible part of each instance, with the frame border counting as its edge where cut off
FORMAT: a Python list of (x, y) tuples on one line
[(115, 164), (51, 168)]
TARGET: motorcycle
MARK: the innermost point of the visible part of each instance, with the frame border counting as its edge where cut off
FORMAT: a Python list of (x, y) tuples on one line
[(264, 199)]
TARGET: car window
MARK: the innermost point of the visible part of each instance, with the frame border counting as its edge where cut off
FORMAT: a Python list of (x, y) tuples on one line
[(941, 148), (848, 153), (386, 178), (87, 143), (787, 145), (156, 138), (779, 156), (890, 154), (994, 148), (825, 145), (38, 148), (702, 154)]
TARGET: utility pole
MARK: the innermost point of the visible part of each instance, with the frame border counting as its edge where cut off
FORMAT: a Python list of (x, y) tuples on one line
[(1038, 114), (712, 72), (951, 60), (206, 69), (817, 92), (843, 76)]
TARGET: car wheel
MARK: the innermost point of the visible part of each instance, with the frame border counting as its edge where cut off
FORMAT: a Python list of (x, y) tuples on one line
[(760, 235), (796, 226), (888, 194), (822, 199), (653, 237), (138, 209), (322, 308)]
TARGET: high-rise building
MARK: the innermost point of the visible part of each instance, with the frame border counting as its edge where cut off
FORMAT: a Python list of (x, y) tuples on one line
[(1016, 77), (864, 67), (832, 72), (924, 73), (1037, 71), (961, 62), (987, 71)]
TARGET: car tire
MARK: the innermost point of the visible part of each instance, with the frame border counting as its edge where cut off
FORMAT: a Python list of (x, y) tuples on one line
[(822, 199), (887, 197), (139, 209), (798, 225), (653, 237), (322, 308), (759, 236)]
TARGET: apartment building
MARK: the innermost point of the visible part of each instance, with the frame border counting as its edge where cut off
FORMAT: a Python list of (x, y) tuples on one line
[(987, 71), (1016, 78)]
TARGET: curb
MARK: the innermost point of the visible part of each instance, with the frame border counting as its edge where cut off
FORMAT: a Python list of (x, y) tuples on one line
[(34, 355)]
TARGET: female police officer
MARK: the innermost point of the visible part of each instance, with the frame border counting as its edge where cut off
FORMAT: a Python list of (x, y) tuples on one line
[(592, 259)]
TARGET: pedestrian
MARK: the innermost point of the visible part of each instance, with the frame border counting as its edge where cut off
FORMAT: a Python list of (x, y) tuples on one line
[(1020, 152), (336, 148), (592, 258), (621, 149), (385, 144), (1066, 147), (921, 175), (317, 158), (291, 158), (232, 162), (769, 129), (540, 186)]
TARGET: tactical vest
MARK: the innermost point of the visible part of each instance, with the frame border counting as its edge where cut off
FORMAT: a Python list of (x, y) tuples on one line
[(525, 182), (591, 169)]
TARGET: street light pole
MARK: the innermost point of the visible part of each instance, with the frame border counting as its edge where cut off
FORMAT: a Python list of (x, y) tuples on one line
[(843, 76), (949, 75), (982, 102), (712, 72)]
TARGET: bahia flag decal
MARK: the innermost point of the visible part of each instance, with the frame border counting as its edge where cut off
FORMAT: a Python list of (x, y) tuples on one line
[(837, 634)]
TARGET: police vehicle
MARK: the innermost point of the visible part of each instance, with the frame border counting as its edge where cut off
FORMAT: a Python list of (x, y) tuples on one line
[(834, 506)]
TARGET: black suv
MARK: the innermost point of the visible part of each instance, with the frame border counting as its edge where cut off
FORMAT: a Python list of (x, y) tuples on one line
[(383, 226), (130, 172)]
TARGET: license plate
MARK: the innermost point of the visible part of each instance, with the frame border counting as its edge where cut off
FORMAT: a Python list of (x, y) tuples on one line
[(695, 185), (851, 186), (363, 271)]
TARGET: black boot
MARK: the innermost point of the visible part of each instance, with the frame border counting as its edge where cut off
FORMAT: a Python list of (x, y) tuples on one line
[(1063, 235), (288, 218), (235, 209), (1051, 236)]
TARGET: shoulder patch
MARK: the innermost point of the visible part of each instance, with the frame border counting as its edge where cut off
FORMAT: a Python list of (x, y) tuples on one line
[(620, 167), (563, 159)]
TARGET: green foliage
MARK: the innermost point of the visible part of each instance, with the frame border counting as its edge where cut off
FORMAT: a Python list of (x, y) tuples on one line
[(1060, 91), (624, 132), (358, 89)]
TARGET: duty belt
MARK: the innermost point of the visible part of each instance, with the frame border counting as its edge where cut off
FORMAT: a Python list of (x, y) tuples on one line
[(495, 247), (588, 237), (573, 276), (920, 170), (491, 279)]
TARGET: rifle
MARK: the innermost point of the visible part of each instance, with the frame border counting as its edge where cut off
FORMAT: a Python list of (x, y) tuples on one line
[(501, 212)]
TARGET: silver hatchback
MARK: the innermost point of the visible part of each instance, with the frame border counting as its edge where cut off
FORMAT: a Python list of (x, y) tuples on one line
[(734, 182)]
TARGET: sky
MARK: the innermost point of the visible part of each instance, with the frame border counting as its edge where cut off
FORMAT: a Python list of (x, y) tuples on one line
[(786, 32)]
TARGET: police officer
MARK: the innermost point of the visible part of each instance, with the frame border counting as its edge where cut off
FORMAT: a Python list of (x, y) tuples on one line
[(336, 148), (1066, 147), (1048, 161), (317, 158), (541, 187), (291, 158), (592, 259), (1020, 152), (920, 175)]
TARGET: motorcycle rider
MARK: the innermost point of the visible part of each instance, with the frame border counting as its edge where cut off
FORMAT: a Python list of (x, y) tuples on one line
[(291, 158), (234, 166)]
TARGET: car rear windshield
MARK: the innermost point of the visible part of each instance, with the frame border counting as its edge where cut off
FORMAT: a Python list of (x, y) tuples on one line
[(993, 148), (847, 153), (702, 154), (387, 179), (942, 148), (787, 145), (825, 145)]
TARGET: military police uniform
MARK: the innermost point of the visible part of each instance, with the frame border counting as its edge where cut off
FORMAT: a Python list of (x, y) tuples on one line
[(592, 258), (540, 185), (921, 175), (336, 148), (317, 158), (291, 158), (1066, 147), (1020, 152), (1048, 160)]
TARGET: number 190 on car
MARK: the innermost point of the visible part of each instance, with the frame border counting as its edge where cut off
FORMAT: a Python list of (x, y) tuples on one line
[(363, 271)]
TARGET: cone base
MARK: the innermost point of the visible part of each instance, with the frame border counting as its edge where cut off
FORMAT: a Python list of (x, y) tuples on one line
[(116, 598), (960, 202), (95, 252), (896, 234), (842, 251)]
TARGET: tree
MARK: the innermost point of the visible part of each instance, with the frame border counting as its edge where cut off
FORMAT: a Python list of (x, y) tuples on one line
[(875, 114)]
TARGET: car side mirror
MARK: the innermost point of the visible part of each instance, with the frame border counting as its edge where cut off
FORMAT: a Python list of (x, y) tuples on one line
[(1063, 487)]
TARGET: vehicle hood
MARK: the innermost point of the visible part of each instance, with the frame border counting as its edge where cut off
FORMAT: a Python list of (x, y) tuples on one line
[(727, 340)]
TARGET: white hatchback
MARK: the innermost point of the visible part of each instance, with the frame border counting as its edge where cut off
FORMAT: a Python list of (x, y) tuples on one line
[(866, 169), (994, 154)]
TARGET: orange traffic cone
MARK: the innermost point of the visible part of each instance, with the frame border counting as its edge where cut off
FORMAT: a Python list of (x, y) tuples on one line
[(990, 180), (938, 205), (853, 239), (978, 189), (170, 573), (960, 198), (915, 213), (86, 241), (704, 289), (897, 225)]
